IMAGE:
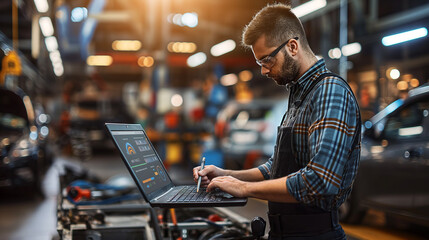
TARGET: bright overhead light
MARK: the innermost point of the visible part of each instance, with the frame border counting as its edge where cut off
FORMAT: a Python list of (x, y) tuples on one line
[(308, 7), (46, 26), (190, 19), (229, 79), (393, 73), (196, 59), (404, 36), (334, 53), (351, 49), (51, 43), (126, 45), (99, 60), (58, 69), (55, 57), (182, 47), (78, 14), (223, 47), (42, 6)]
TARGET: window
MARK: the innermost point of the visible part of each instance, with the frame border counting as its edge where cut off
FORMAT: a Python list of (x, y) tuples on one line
[(408, 122)]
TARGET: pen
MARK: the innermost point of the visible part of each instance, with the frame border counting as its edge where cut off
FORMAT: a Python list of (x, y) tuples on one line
[(203, 161)]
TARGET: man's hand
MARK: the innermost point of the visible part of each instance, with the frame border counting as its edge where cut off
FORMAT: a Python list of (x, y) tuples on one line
[(207, 174), (230, 185)]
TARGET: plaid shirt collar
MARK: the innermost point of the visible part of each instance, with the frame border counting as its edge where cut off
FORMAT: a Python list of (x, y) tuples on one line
[(304, 82)]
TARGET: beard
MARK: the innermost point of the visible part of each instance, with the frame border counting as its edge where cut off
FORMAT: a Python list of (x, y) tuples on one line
[(289, 71)]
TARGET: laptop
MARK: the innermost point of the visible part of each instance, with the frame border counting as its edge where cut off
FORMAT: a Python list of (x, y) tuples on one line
[(151, 177)]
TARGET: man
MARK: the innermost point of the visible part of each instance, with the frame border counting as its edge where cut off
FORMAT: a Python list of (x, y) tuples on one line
[(317, 150)]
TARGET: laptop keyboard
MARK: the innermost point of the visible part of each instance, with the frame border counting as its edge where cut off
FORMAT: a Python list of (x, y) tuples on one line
[(190, 194)]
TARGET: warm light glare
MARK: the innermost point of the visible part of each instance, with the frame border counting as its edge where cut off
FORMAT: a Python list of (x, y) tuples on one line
[(351, 49), (145, 61), (229, 79), (334, 53), (99, 60), (42, 6), (245, 75), (46, 26), (182, 47), (126, 45), (176, 100), (196, 59), (404, 37), (308, 7), (223, 47), (402, 85), (414, 82), (51, 43)]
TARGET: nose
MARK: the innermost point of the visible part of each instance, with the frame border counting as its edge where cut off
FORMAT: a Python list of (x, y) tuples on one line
[(264, 70)]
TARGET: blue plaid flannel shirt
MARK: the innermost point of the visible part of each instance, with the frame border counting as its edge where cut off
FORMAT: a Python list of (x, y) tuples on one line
[(322, 141)]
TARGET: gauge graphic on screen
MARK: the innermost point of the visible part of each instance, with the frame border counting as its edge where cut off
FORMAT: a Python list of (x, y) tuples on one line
[(161, 173)]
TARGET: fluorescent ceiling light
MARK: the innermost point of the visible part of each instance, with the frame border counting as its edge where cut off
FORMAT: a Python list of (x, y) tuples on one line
[(404, 37), (126, 45), (46, 26), (51, 43), (308, 7), (99, 60), (196, 59), (351, 49), (223, 47), (42, 6)]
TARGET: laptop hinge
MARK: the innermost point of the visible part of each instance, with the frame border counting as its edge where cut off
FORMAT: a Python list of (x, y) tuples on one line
[(160, 196)]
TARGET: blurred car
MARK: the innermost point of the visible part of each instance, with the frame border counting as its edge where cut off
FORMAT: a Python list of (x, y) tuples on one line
[(394, 168), (248, 131), (87, 118), (25, 152)]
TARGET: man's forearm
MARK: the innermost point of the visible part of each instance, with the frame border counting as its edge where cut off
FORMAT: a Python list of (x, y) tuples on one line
[(274, 190), (251, 175)]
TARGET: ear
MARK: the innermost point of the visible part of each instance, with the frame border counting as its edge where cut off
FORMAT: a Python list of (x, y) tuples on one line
[(293, 47)]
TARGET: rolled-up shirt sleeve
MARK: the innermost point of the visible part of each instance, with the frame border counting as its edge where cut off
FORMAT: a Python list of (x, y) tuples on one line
[(266, 168), (332, 120)]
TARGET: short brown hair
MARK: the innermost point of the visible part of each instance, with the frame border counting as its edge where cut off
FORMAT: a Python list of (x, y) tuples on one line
[(278, 23)]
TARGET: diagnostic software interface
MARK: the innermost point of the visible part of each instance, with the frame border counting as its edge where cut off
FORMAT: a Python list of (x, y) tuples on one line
[(142, 159)]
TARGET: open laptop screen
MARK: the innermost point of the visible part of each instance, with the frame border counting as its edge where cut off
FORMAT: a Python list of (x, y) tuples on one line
[(142, 160)]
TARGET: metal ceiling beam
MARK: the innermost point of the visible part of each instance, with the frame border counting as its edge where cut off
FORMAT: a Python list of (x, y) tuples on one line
[(400, 18)]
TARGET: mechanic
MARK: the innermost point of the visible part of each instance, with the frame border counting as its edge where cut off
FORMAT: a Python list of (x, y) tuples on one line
[(317, 150)]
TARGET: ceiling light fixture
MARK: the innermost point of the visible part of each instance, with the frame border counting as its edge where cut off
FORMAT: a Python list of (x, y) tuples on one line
[(196, 59), (308, 7), (42, 6), (99, 60), (46, 26), (404, 36), (126, 45), (351, 49), (223, 47)]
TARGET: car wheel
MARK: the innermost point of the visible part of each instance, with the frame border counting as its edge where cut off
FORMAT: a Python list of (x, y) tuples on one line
[(350, 211)]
